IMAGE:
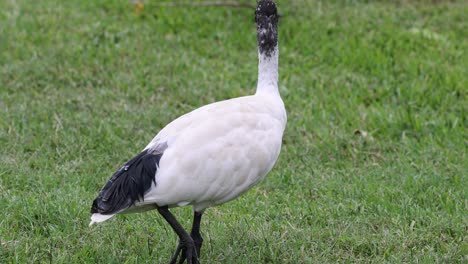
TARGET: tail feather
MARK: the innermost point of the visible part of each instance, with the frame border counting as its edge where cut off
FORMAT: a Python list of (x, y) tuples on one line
[(97, 218), (127, 186)]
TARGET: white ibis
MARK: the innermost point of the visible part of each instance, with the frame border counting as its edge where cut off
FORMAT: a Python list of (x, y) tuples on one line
[(206, 157)]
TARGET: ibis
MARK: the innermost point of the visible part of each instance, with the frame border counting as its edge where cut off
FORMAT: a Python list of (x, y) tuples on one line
[(208, 156)]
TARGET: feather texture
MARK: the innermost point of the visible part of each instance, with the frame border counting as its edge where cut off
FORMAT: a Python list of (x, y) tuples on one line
[(219, 151), (129, 184)]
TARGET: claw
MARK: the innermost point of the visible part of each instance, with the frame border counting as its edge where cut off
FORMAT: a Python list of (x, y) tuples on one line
[(186, 251), (175, 256)]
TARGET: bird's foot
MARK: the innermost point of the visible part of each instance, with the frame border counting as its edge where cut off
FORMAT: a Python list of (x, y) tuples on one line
[(187, 251)]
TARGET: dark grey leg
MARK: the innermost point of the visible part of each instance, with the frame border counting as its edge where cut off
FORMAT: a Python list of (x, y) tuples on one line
[(197, 239), (195, 233), (186, 243)]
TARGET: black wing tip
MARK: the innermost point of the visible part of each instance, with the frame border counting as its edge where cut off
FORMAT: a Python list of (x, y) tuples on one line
[(94, 207), (128, 185), (100, 207), (105, 208)]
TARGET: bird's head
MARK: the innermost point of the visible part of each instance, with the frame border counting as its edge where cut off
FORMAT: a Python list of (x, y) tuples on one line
[(266, 17), (266, 9)]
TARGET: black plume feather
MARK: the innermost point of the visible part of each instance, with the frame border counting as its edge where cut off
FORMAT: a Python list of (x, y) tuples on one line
[(128, 184)]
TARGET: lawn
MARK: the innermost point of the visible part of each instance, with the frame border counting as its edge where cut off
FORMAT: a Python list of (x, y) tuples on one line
[(374, 163)]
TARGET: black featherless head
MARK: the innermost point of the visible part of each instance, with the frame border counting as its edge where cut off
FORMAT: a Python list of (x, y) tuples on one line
[(266, 17), (266, 8)]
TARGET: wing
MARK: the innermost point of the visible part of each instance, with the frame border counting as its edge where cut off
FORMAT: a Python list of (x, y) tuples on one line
[(129, 184)]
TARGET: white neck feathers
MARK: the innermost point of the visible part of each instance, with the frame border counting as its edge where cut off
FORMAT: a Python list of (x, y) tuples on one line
[(268, 72)]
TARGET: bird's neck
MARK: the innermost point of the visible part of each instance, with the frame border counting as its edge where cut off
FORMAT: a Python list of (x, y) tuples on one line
[(268, 71), (266, 18)]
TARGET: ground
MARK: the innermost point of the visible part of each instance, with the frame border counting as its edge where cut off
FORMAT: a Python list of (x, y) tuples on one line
[(373, 167)]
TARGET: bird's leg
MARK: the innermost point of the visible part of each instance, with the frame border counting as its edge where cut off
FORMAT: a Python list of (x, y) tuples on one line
[(195, 233), (176, 254), (186, 244), (197, 239)]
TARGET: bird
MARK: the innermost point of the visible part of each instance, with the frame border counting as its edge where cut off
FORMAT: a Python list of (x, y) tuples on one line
[(208, 156)]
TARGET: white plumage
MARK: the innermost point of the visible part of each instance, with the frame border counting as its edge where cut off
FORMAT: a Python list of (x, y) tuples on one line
[(212, 154), (218, 152)]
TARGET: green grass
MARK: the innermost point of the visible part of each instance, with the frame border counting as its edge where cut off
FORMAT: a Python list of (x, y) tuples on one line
[(84, 85)]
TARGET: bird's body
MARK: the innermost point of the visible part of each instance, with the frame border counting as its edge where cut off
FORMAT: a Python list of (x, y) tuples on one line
[(208, 156), (215, 153), (218, 152)]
